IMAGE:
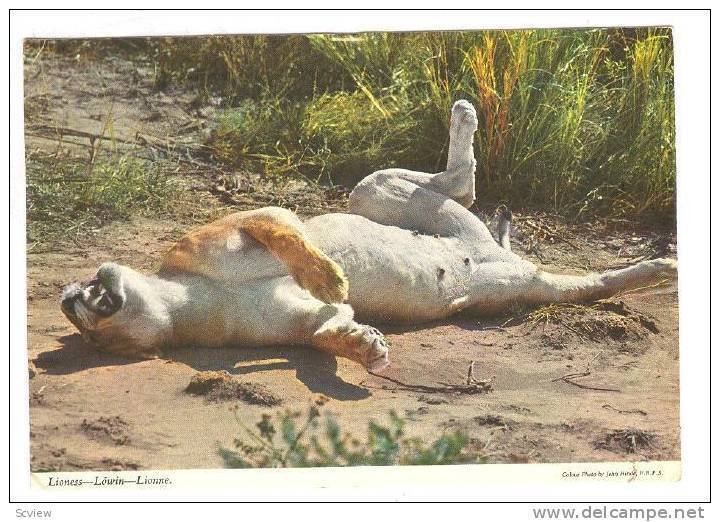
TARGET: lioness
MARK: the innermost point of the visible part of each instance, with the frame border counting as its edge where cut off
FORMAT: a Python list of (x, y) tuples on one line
[(409, 251)]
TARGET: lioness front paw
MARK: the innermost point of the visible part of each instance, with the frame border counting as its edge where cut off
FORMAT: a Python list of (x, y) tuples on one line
[(358, 342), (377, 348)]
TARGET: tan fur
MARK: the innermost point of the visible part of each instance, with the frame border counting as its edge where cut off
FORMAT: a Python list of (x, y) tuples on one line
[(310, 268)]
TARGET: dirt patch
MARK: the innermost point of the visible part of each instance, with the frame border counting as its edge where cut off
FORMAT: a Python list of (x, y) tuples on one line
[(303, 196), (111, 464), (37, 399), (57, 459), (431, 400), (489, 420), (633, 411), (626, 441), (614, 319), (588, 245), (219, 386), (601, 321), (112, 429)]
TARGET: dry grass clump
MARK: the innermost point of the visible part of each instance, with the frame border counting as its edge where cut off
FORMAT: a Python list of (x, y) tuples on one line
[(599, 321), (67, 197), (626, 440)]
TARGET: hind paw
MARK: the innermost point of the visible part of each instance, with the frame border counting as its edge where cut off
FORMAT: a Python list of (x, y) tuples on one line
[(664, 266)]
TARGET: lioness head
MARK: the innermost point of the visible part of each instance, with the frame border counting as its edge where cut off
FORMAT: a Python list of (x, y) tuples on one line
[(116, 311)]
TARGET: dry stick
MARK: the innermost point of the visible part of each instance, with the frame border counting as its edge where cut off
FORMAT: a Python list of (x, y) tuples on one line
[(611, 407), (573, 330), (533, 249), (475, 387), (65, 131), (481, 343), (548, 231), (140, 139), (492, 327), (568, 379), (58, 139), (572, 376)]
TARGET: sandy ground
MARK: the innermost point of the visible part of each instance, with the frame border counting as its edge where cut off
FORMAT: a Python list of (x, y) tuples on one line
[(94, 411)]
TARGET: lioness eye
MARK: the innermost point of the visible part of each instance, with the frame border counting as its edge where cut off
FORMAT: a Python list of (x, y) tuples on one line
[(105, 301)]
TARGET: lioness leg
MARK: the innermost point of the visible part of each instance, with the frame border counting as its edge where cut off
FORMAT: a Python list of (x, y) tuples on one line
[(429, 203), (548, 288), (389, 199), (235, 250), (337, 333), (504, 224), (310, 267), (395, 186), (458, 179)]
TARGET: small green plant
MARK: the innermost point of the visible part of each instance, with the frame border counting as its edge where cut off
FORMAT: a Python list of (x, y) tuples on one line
[(67, 197), (319, 441)]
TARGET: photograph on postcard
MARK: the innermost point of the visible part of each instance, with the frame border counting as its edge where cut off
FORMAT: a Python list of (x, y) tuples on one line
[(250, 251)]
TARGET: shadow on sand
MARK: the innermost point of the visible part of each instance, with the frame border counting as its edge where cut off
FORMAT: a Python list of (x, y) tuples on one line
[(317, 370)]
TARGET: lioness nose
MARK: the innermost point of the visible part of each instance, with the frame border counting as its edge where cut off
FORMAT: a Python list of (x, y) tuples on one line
[(70, 294), (67, 302)]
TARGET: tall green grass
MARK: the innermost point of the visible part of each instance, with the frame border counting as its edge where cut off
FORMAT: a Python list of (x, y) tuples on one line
[(579, 121), (246, 66)]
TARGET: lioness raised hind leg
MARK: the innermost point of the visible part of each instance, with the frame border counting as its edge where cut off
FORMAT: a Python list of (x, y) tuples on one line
[(423, 201), (504, 226)]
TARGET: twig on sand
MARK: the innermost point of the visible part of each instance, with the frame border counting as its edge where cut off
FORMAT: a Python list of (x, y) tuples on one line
[(570, 376), (471, 373), (491, 327), (66, 131), (613, 408), (545, 230), (472, 381), (473, 386)]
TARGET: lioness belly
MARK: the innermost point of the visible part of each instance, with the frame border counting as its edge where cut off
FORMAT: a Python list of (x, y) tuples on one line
[(398, 275), (259, 312)]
